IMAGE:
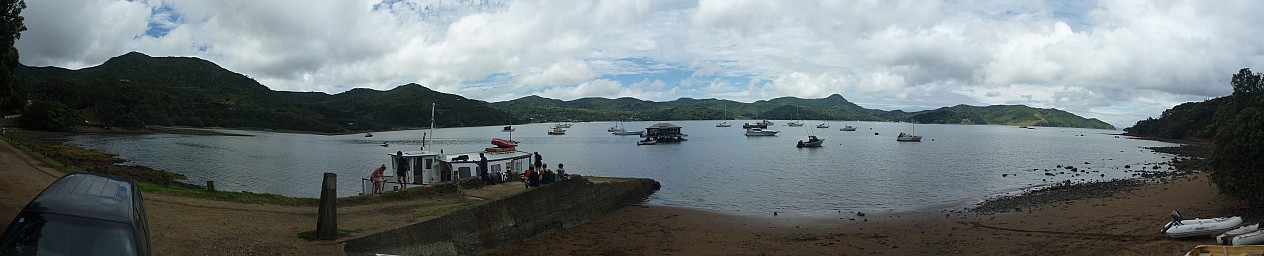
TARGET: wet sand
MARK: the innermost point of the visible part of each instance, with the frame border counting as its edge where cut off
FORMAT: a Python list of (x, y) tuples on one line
[(1126, 223)]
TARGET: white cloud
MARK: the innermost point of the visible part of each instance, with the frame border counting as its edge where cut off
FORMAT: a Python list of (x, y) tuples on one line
[(1118, 60), (77, 34)]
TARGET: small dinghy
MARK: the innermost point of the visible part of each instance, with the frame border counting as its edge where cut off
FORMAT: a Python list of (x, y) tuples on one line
[(1245, 235), (1179, 227), (503, 143)]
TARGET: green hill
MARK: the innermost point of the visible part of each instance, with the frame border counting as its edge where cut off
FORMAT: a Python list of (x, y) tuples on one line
[(134, 90), (1190, 120), (1006, 115), (834, 107)]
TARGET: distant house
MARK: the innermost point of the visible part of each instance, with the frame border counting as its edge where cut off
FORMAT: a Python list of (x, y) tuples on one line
[(664, 132)]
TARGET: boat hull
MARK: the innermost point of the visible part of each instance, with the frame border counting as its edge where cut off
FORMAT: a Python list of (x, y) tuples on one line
[(1245, 235), (755, 125), (814, 144), (1201, 227)]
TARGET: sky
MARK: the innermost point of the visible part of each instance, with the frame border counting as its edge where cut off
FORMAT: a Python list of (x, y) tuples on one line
[(1118, 61)]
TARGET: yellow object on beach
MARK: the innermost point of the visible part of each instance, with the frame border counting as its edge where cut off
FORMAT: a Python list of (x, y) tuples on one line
[(1226, 250)]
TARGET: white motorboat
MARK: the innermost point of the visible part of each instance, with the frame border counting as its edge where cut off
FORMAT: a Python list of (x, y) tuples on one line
[(557, 130), (508, 128), (761, 132), (1245, 235), (618, 130), (646, 141), (847, 129), (628, 132), (822, 125), (794, 123), (562, 125), (1199, 227)]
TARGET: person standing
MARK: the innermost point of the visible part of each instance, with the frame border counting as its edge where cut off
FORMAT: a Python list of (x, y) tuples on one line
[(401, 170), (483, 172), (539, 162), (378, 177)]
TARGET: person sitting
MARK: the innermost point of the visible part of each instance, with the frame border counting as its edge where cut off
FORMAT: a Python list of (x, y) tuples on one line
[(561, 173), (535, 177), (544, 175)]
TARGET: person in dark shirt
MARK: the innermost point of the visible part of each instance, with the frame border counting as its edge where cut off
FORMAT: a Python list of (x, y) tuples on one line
[(401, 170), (483, 172)]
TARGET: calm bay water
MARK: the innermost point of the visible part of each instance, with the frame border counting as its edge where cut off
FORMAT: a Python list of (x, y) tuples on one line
[(717, 169)]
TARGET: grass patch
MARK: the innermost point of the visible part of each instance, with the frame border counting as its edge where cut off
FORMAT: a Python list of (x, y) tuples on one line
[(439, 210), (243, 197), (55, 164), (310, 235)]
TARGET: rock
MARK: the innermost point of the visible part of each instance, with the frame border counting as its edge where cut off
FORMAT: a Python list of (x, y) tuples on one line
[(1127, 166), (861, 214), (773, 213), (1004, 175), (1059, 166), (1086, 163), (1156, 167), (1048, 174)]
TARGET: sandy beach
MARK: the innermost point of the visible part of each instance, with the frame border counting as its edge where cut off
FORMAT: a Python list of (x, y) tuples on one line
[(1126, 223)]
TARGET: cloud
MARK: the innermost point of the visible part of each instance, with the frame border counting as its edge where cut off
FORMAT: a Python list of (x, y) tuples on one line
[(79, 33), (1117, 60)]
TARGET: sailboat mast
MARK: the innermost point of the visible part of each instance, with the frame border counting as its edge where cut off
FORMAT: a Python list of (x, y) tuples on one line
[(432, 123)]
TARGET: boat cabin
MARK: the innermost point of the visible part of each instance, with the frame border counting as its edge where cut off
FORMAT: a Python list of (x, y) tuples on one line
[(664, 132), (428, 167)]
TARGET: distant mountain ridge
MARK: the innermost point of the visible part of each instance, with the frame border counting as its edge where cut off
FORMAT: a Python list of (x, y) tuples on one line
[(833, 107), (135, 90)]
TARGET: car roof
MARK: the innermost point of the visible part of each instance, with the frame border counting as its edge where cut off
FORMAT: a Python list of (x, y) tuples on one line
[(91, 195)]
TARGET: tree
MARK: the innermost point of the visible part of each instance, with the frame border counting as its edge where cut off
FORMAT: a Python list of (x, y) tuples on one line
[(50, 116), (11, 28), (1247, 83), (1239, 140)]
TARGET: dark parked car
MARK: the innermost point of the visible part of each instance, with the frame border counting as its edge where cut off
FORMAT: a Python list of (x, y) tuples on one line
[(81, 214)]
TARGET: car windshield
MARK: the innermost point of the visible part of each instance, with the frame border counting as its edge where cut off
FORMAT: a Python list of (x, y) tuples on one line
[(56, 234)]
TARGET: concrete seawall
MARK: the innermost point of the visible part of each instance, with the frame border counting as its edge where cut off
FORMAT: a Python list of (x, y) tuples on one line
[(540, 211)]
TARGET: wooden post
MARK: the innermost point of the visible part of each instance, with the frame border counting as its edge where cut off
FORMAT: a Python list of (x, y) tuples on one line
[(327, 216), (210, 185)]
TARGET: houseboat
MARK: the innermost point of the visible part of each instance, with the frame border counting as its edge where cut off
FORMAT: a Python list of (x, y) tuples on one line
[(663, 132)]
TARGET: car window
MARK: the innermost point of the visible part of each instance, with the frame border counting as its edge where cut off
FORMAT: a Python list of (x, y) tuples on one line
[(56, 234)]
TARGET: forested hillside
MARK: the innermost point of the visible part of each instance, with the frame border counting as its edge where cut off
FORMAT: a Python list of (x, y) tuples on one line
[(134, 90), (834, 107)]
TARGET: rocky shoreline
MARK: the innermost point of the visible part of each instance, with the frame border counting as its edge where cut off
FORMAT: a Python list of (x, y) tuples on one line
[(1190, 159)]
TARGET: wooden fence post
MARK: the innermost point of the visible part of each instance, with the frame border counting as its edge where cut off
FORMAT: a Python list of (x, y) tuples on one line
[(327, 216)]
